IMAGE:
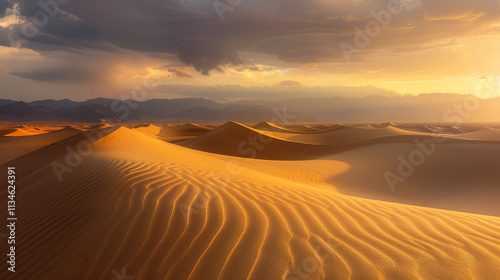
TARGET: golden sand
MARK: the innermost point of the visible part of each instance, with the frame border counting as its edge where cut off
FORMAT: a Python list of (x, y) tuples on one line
[(165, 211)]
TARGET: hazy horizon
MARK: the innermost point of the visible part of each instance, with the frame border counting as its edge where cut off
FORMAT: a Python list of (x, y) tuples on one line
[(262, 98)]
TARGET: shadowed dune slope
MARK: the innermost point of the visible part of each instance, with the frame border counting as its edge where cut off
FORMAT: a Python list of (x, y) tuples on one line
[(160, 211), (7, 130), (455, 176), (188, 129)]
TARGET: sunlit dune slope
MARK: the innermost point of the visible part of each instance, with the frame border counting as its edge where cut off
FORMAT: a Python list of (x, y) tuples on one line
[(27, 130), (267, 126)]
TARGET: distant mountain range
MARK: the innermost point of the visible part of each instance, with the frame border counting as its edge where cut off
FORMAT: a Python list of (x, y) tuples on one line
[(425, 107)]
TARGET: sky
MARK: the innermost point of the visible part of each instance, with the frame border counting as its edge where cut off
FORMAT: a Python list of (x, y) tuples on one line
[(246, 49)]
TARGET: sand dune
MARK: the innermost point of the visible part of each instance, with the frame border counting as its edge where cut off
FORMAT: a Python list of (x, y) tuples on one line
[(172, 133), (462, 177), (419, 128), (150, 129), (24, 132), (239, 140), (100, 125), (210, 125), (13, 147), (236, 139), (486, 135), (6, 130), (344, 135), (322, 126), (335, 127), (162, 211), (28, 130), (300, 128), (267, 126), (448, 129), (386, 124)]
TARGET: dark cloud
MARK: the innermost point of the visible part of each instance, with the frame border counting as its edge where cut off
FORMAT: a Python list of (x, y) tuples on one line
[(295, 31), (4, 5), (206, 57), (58, 75)]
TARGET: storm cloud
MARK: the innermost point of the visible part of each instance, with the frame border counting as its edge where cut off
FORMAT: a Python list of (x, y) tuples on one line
[(294, 31)]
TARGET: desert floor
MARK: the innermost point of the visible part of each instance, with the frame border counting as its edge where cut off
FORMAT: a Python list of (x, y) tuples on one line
[(265, 201)]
